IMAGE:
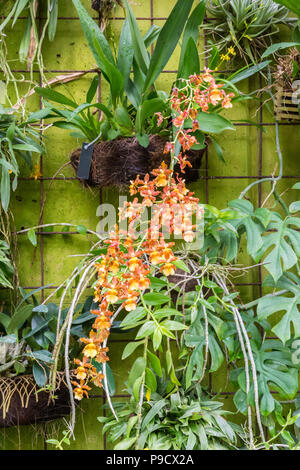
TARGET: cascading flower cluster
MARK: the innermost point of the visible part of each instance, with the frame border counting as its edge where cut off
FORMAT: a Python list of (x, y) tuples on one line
[(123, 271)]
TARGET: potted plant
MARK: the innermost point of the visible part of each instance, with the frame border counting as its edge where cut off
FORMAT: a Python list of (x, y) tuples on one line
[(135, 124)]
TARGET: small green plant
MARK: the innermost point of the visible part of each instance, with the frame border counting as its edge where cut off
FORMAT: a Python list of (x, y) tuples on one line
[(185, 420)]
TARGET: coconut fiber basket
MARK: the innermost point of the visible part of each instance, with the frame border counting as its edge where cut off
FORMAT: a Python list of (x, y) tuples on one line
[(285, 107), (117, 162), (21, 403)]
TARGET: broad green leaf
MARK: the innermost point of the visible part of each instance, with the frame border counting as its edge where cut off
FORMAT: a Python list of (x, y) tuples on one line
[(5, 188), (147, 109), (137, 370), (146, 329), (275, 371), (150, 380), (136, 388), (140, 52), (151, 35), (21, 4), (111, 72), (253, 230), (271, 304), (143, 139), (43, 355), (39, 374), (294, 207), (93, 89), (155, 363), (26, 148), (156, 339), (191, 62), (53, 20), (130, 348), (173, 325), (153, 412), (214, 58), (218, 149), (166, 312), (123, 118), (4, 320), (213, 123), (181, 265), (131, 320)]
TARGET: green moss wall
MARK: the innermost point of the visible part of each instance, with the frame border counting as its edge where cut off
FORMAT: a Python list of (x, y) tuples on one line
[(249, 152)]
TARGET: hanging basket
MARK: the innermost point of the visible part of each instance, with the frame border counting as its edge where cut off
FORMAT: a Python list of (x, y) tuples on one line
[(117, 162), (285, 109), (21, 403)]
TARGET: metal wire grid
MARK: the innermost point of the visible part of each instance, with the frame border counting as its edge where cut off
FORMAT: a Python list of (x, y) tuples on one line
[(205, 177)]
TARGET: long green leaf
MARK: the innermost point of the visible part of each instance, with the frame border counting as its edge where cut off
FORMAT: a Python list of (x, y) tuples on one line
[(113, 75), (19, 318), (214, 123)]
